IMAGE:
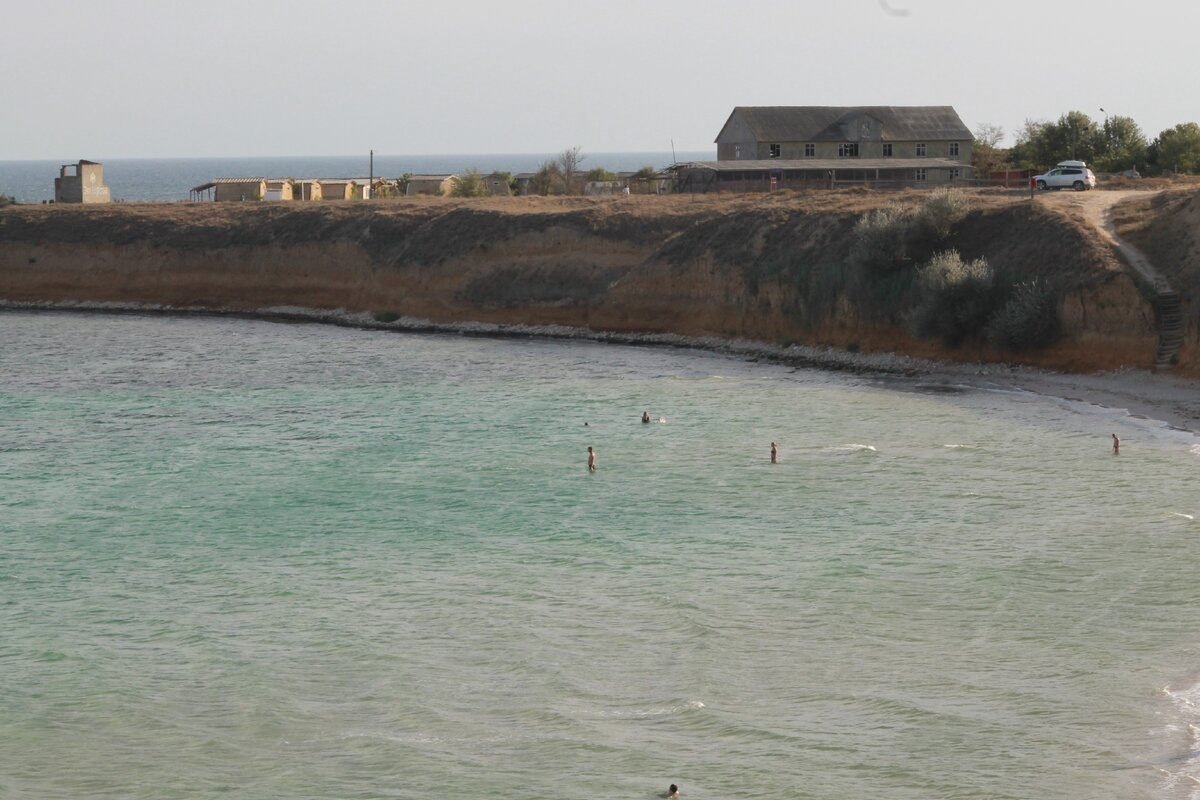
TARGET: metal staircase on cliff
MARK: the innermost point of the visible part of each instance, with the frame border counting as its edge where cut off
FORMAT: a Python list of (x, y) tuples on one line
[(1169, 311)]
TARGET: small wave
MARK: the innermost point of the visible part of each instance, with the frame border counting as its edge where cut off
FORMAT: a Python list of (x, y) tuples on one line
[(960, 446), (1194, 449), (1182, 516), (852, 448), (642, 713)]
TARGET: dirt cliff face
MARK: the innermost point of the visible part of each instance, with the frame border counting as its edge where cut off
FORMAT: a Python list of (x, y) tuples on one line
[(1166, 227), (769, 268)]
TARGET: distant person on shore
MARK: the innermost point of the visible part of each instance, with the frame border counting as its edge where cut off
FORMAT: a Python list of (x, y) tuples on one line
[(645, 416), (673, 792), (1116, 445), (591, 460), (774, 453)]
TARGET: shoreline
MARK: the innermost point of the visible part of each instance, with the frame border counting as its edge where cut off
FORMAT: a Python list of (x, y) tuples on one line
[(1172, 400)]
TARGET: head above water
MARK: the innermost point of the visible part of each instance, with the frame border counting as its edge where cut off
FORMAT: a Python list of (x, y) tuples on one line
[(674, 790)]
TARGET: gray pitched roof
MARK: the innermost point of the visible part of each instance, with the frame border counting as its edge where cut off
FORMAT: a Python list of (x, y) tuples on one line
[(824, 123), (775, 164)]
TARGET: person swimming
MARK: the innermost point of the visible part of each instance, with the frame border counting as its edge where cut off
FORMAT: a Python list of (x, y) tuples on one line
[(645, 416), (673, 792)]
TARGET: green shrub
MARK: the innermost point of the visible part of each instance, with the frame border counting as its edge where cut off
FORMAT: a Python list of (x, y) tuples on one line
[(6, 199), (943, 209), (957, 298), (469, 184), (852, 346), (385, 316), (881, 239), (1028, 320)]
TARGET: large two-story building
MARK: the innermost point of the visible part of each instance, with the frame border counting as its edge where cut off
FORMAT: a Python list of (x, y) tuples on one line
[(767, 147)]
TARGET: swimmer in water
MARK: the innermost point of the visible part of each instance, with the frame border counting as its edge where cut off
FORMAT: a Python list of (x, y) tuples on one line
[(673, 792), (591, 460), (774, 453), (1116, 445), (645, 416)]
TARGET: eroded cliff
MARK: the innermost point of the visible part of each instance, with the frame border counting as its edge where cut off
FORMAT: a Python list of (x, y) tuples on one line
[(770, 268)]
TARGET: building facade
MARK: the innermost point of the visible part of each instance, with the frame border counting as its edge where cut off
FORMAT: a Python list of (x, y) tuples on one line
[(841, 132), (438, 185), (81, 183), (238, 189), (765, 147)]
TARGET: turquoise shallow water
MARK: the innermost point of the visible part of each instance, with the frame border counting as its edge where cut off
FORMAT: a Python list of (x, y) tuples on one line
[(259, 560)]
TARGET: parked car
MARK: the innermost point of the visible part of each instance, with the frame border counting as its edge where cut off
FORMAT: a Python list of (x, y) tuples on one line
[(1073, 174)]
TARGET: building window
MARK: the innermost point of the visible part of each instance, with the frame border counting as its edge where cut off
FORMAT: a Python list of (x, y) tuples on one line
[(810, 150), (774, 150), (955, 174), (920, 148), (887, 150), (848, 150), (919, 174), (954, 148)]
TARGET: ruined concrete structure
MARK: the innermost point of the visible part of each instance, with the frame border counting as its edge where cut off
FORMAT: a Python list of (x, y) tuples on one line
[(84, 184)]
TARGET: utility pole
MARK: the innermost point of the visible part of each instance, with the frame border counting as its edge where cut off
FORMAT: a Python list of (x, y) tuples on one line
[(371, 178)]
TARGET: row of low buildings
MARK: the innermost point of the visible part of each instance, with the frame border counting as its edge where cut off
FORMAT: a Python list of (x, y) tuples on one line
[(500, 184), (242, 189), (760, 148)]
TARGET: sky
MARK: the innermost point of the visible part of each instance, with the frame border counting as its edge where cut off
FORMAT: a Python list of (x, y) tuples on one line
[(219, 78)]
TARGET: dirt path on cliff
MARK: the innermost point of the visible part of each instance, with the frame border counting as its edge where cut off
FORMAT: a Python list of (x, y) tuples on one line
[(1095, 208)]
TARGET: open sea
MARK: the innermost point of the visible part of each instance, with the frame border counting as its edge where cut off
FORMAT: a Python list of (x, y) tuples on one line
[(262, 560), (170, 179)]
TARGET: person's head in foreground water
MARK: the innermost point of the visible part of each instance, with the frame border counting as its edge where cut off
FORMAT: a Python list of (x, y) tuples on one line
[(673, 791)]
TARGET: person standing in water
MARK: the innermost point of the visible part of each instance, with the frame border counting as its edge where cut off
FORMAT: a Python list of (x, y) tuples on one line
[(673, 792), (591, 460), (774, 453), (645, 416), (1116, 445)]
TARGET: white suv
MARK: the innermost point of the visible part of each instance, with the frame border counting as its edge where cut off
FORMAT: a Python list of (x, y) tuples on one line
[(1074, 174)]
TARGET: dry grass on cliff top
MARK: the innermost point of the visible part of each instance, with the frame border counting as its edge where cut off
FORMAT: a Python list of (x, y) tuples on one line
[(1166, 227), (121, 221)]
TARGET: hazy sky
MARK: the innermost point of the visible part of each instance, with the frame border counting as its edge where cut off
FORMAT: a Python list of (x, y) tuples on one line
[(174, 78)]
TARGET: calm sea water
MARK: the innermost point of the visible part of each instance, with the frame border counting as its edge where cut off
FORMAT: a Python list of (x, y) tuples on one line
[(139, 179), (289, 561)]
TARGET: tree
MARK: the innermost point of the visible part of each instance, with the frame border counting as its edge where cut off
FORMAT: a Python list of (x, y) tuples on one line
[(601, 174), (1177, 149), (469, 184), (989, 135), (1122, 145), (1041, 144), (568, 162), (644, 181), (986, 155), (547, 180)]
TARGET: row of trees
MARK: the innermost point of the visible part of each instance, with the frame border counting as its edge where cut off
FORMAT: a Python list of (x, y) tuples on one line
[(1114, 145)]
